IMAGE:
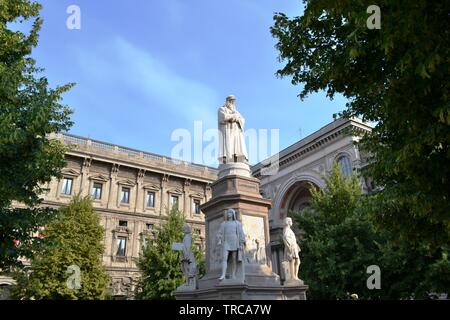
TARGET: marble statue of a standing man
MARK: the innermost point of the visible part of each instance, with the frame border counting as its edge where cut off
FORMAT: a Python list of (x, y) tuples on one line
[(291, 250), (231, 133), (232, 239)]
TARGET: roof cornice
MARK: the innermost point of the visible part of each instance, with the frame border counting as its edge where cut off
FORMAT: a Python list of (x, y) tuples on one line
[(305, 146)]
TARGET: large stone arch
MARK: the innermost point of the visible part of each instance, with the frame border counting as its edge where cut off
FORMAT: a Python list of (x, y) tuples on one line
[(290, 194), (5, 287)]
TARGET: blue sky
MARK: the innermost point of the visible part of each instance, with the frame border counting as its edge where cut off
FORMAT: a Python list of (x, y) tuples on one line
[(144, 68)]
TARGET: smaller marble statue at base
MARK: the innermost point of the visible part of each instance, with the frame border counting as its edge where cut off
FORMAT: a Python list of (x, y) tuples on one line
[(231, 238), (188, 263), (291, 261)]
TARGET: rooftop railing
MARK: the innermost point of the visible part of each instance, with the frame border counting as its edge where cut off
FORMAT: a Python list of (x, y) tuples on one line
[(108, 147)]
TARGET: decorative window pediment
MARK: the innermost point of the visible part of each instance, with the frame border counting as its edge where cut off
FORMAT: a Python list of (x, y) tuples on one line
[(99, 177), (70, 172), (122, 232), (151, 186), (176, 190), (127, 182), (197, 195)]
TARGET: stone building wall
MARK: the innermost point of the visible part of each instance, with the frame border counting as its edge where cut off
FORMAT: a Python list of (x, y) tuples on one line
[(93, 163), (286, 179)]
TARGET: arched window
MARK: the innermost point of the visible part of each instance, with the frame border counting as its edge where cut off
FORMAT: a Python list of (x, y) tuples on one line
[(345, 164)]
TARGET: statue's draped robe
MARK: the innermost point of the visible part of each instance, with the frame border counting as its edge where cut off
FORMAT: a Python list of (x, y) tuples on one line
[(291, 248), (231, 138)]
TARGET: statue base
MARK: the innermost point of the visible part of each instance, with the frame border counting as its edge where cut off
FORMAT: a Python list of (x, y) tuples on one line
[(234, 168), (186, 287), (245, 292), (293, 283), (255, 280)]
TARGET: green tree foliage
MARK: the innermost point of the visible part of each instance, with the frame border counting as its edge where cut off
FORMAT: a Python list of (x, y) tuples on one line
[(409, 269), (409, 272), (160, 265), (75, 237), (397, 77), (339, 241), (29, 110)]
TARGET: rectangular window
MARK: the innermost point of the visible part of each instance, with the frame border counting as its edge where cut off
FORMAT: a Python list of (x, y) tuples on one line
[(125, 195), (123, 223), (97, 191), (196, 206), (121, 246), (150, 199), (198, 231), (174, 202), (67, 186), (149, 226)]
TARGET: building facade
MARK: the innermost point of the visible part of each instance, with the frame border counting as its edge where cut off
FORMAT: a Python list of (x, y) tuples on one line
[(286, 179), (132, 192)]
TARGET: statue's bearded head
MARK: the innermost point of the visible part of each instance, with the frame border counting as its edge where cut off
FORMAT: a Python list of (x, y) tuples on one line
[(230, 103)]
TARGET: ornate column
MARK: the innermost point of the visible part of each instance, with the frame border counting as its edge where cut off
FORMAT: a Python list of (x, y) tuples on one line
[(164, 199), (140, 192), (84, 184), (112, 195), (187, 199)]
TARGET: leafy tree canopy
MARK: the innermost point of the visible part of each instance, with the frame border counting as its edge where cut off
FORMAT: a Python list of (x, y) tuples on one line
[(160, 265), (74, 241), (341, 239), (29, 110), (396, 77)]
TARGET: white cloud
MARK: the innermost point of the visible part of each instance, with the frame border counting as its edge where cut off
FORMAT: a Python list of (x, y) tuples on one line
[(123, 63)]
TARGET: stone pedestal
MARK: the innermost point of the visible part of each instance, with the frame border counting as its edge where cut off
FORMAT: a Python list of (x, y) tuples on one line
[(234, 168), (241, 193)]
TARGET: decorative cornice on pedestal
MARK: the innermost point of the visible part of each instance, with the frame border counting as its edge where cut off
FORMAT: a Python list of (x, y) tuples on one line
[(237, 197), (236, 184)]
